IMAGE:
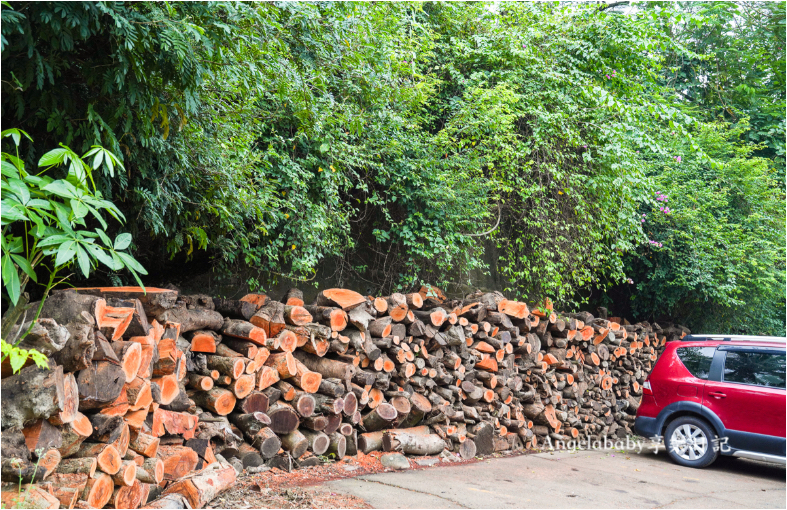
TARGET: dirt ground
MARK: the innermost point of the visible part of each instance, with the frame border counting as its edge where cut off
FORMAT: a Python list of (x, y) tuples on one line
[(302, 488)]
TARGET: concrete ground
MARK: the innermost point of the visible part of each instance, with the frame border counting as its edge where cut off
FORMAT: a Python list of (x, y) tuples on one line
[(582, 479)]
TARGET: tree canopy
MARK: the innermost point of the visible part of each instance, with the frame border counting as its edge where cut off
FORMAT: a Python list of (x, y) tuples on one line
[(631, 154)]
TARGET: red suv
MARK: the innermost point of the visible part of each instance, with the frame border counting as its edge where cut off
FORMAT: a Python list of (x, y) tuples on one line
[(717, 394)]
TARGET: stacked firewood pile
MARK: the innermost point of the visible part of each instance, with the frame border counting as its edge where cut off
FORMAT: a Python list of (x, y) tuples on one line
[(155, 395)]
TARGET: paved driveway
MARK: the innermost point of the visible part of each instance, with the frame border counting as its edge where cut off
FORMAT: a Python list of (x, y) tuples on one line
[(585, 479)]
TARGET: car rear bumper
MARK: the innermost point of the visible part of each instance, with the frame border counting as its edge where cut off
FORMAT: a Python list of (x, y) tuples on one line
[(645, 427)]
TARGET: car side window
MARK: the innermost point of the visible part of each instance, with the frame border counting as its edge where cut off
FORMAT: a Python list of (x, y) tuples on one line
[(759, 368), (697, 360)]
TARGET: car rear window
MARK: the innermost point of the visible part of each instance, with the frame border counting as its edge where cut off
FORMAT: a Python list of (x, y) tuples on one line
[(762, 369), (697, 360)]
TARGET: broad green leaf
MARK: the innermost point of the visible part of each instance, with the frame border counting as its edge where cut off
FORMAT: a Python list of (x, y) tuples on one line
[(17, 358), (53, 157), (65, 253), (131, 263), (122, 241), (10, 279), (24, 264), (83, 260)]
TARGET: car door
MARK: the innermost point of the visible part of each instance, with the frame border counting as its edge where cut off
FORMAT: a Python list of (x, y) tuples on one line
[(748, 394)]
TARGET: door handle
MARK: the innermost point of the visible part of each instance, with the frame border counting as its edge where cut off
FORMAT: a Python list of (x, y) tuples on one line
[(717, 394)]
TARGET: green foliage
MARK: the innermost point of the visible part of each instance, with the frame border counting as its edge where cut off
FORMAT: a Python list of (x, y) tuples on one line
[(716, 254), (397, 143), (45, 225)]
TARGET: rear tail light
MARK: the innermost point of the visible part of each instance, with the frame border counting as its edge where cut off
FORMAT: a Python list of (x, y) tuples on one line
[(646, 390)]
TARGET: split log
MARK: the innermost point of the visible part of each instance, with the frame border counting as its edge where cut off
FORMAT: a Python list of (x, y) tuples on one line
[(179, 461), (342, 298), (336, 318)]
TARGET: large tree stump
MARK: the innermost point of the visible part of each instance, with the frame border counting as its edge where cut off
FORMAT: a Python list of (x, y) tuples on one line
[(31, 394)]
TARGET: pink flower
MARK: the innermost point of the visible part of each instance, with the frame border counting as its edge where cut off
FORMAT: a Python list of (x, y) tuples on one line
[(678, 159)]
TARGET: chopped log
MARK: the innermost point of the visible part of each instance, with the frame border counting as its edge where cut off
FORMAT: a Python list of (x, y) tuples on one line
[(27, 496), (270, 318), (168, 387), (255, 402), (342, 298), (170, 501), (232, 367), (154, 301), (244, 331), (336, 318), (128, 496), (129, 355), (318, 441), (296, 315), (217, 400), (327, 367), (293, 297), (200, 488), (73, 434), (144, 444), (179, 461), (138, 325), (234, 309), (412, 444), (242, 386), (283, 417), (106, 456), (199, 382), (203, 340), (41, 436), (31, 394), (295, 443), (513, 308), (70, 410), (244, 347), (126, 475), (379, 418), (372, 441), (192, 320), (79, 349), (151, 471), (99, 385), (86, 466), (106, 429), (267, 442), (284, 363), (337, 445), (266, 377), (307, 380)]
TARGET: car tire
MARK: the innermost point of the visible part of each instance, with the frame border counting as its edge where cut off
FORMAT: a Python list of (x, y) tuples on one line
[(690, 442)]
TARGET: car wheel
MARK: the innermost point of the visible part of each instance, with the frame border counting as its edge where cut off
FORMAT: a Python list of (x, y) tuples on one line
[(690, 442)]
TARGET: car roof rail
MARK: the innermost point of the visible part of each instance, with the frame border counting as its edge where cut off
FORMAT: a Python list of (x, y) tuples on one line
[(734, 338)]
